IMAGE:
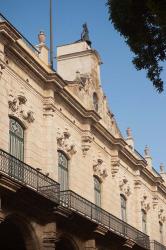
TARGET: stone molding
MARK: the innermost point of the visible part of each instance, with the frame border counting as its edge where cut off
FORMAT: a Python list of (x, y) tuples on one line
[(19, 107), (64, 142), (99, 168), (86, 143), (2, 64), (124, 186)]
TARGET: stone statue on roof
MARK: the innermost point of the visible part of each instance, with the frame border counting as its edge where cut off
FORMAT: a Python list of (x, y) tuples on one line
[(85, 34)]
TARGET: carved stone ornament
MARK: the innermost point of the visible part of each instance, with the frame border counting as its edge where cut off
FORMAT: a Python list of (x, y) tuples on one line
[(115, 164), (2, 64), (124, 186), (86, 143), (137, 184), (99, 168), (129, 243), (145, 204), (64, 142), (155, 201), (18, 107), (161, 215)]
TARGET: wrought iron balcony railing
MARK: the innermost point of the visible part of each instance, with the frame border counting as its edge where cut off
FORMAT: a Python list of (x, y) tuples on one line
[(157, 246), (81, 206), (28, 176)]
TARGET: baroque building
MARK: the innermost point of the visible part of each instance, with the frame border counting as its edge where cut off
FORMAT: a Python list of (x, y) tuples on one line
[(68, 178)]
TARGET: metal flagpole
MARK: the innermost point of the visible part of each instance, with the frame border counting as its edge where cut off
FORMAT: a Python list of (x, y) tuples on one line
[(51, 37)]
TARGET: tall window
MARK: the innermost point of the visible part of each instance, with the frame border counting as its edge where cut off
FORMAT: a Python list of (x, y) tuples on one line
[(16, 132), (161, 232), (123, 208), (97, 191), (144, 221), (62, 171), (95, 102)]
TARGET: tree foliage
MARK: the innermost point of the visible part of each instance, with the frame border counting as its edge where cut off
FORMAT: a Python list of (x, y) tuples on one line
[(143, 25)]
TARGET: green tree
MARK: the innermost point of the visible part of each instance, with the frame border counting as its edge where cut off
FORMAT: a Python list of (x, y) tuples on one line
[(143, 25)]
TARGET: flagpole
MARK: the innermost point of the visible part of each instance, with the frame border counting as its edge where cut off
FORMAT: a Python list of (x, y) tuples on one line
[(51, 37)]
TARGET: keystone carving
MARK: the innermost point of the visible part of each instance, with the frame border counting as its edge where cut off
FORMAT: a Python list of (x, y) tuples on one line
[(124, 186), (64, 142), (18, 107), (86, 143), (99, 168), (161, 215), (145, 205), (115, 164)]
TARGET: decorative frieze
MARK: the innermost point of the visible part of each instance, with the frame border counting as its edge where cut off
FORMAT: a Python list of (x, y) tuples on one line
[(65, 143), (19, 107), (99, 168), (124, 186)]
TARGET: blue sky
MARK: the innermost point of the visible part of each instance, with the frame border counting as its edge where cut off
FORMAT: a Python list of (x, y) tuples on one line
[(132, 98)]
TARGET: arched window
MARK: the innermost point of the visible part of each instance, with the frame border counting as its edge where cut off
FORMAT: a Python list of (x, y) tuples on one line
[(123, 208), (161, 232), (62, 171), (144, 221), (95, 102), (97, 191), (16, 133)]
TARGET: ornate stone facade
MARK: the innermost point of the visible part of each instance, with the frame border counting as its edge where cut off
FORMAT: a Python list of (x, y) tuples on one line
[(69, 135)]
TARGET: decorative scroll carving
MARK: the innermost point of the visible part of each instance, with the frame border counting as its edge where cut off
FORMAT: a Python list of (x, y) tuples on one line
[(86, 143), (115, 164), (124, 186), (18, 107), (161, 215), (145, 204), (99, 168), (64, 142)]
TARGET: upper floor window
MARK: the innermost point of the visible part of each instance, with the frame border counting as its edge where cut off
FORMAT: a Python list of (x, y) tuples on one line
[(16, 133), (95, 102), (97, 191), (161, 232), (62, 171), (144, 221), (123, 208)]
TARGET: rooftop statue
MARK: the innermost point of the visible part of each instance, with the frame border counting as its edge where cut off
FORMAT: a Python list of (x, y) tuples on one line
[(85, 34)]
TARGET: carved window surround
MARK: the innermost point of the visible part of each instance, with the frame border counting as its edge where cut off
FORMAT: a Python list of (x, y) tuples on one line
[(161, 215), (64, 142), (124, 186), (145, 204), (99, 168), (18, 107)]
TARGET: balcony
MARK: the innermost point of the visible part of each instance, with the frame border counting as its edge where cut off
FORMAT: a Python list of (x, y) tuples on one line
[(157, 246), (87, 209), (28, 177)]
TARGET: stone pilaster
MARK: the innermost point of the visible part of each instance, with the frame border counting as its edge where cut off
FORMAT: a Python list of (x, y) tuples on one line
[(50, 237)]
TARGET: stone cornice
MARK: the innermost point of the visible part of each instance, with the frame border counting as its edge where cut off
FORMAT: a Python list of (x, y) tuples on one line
[(9, 31)]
